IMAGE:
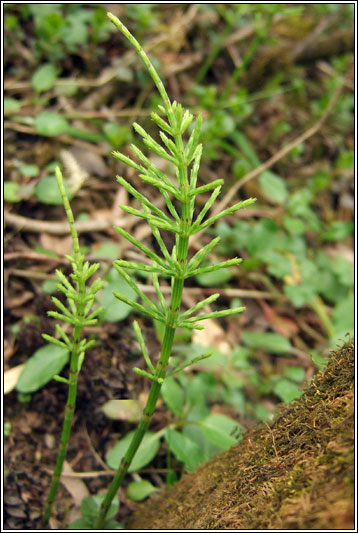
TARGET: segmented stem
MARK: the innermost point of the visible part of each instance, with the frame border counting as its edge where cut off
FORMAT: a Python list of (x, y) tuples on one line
[(176, 264), (77, 314)]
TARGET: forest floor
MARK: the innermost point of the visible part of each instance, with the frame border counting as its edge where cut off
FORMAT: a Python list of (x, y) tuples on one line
[(284, 75)]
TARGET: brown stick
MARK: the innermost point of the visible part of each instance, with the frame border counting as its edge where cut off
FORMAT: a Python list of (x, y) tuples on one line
[(59, 228), (278, 155)]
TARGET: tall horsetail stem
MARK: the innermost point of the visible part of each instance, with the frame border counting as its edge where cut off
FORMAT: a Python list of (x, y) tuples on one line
[(184, 157), (78, 314)]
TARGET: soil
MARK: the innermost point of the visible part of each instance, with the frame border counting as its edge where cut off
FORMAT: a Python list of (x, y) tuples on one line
[(31, 447)]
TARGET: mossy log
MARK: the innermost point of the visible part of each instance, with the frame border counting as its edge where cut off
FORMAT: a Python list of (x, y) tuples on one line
[(296, 473)]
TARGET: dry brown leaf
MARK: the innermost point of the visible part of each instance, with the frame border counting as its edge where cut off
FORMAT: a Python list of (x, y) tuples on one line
[(74, 485), (213, 335), (11, 377), (58, 245)]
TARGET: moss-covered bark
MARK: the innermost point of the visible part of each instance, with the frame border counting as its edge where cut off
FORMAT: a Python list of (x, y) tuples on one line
[(296, 473)]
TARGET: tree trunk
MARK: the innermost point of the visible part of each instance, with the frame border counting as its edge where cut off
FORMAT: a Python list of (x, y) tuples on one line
[(296, 473)]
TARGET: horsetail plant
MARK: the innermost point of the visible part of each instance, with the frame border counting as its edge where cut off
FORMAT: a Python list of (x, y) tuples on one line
[(78, 313), (179, 219)]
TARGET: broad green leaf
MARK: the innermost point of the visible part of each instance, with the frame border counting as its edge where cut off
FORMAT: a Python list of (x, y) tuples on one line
[(44, 77), (184, 449), (11, 189), (47, 191), (114, 309), (49, 286), (345, 159), (300, 294), (112, 524), (173, 395), (294, 225), (11, 105), (117, 134), (287, 390), (77, 32), (145, 453), (296, 373), (319, 359), (338, 230), (278, 264), (321, 180), (220, 429), (299, 201), (271, 342), (261, 412), (130, 410), (90, 507), (45, 363), (139, 490), (81, 523), (30, 171), (343, 316), (50, 124), (273, 187), (344, 270), (105, 249), (264, 235)]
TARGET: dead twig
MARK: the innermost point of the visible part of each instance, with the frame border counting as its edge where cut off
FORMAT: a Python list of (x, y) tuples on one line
[(229, 293), (280, 154), (60, 228), (32, 256), (66, 139)]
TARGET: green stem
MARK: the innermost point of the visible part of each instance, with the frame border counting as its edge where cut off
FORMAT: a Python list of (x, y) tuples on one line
[(65, 435), (74, 363), (160, 372)]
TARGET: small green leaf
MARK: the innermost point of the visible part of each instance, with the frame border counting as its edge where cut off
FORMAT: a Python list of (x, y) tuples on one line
[(173, 395), (47, 191), (301, 293), (117, 134), (112, 524), (343, 316), (271, 342), (296, 373), (11, 105), (41, 367), (294, 225), (81, 523), (184, 449), (139, 490), (287, 390), (130, 410), (219, 430), (338, 230), (145, 453), (90, 507), (44, 77), (273, 187), (49, 286), (115, 310), (11, 189), (105, 249), (50, 124), (30, 171)]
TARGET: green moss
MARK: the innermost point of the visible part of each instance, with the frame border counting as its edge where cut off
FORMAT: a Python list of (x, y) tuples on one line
[(295, 474)]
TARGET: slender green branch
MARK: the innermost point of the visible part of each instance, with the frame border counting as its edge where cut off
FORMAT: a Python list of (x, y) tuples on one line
[(185, 158), (80, 301)]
